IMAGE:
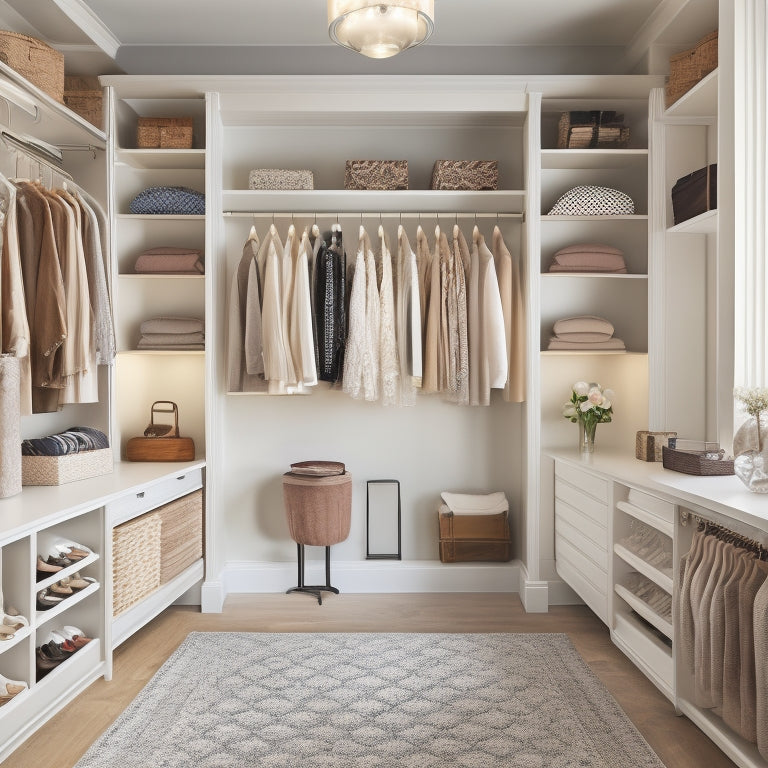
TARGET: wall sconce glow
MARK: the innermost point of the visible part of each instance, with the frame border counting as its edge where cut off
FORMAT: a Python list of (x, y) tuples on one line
[(380, 28)]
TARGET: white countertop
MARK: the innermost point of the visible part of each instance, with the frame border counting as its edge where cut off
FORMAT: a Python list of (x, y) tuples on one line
[(39, 506), (727, 496)]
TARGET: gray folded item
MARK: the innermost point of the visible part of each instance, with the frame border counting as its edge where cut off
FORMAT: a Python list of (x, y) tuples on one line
[(172, 325), (173, 338), (612, 344), (583, 324), (168, 259)]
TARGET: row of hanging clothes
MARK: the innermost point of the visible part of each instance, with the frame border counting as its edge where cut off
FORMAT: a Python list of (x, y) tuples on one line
[(721, 627), (55, 310), (442, 317)]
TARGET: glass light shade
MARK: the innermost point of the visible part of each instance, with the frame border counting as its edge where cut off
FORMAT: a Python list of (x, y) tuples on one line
[(380, 29)]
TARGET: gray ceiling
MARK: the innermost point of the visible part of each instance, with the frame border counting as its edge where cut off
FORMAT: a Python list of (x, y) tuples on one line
[(290, 36)]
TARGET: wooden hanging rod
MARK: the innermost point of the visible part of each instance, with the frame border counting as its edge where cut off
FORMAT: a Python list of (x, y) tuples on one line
[(726, 533)]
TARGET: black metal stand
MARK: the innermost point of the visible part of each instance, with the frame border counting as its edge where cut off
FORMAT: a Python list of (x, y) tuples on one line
[(316, 590)]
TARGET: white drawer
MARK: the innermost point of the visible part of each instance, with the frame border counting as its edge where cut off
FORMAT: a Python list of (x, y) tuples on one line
[(585, 481), (592, 596), (596, 532), (597, 553), (598, 578), (581, 502), (653, 504), (150, 496)]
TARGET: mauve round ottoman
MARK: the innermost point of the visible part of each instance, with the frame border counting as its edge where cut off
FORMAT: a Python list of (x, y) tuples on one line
[(319, 513)]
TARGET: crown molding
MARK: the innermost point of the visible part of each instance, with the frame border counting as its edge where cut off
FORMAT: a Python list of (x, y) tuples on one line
[(91, 25)]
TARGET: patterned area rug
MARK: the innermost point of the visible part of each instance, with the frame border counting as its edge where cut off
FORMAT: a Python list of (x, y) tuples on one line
[(231, 700)]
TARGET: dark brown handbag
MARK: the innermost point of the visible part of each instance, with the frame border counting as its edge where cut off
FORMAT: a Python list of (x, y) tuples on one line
[(695, 194)]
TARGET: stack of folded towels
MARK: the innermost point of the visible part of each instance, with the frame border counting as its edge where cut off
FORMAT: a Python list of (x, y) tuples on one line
[(585, 333), (169, 260), (72, 440), (475, 504), (172, 333), (589, 257)]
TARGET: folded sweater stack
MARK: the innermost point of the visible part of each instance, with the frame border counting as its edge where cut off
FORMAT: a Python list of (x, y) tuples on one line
[(72, 440), (172, 333), (170, 260), (589, 257), (585, 333)]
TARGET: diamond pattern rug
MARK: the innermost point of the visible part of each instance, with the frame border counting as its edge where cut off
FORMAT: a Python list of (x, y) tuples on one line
[(237, 700)]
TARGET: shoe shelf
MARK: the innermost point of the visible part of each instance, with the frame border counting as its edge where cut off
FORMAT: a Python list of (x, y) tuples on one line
[(644, 610), (664, 525), (658, 577), (76, 567), (44, 617), (18, 637)]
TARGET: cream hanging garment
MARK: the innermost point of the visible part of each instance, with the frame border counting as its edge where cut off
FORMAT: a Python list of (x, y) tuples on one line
[(432, 337), (760, 628), (274, 351), (511, 290), (461, 270), (388, 360), (290, 252), (371, 367), (408, 323), (449, 319), (302, 340)]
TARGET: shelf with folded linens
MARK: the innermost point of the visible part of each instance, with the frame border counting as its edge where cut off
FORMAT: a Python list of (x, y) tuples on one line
[(661, 621), (154, 159)]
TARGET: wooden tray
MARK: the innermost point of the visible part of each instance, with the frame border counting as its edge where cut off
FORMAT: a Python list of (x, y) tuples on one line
[(160, 449)]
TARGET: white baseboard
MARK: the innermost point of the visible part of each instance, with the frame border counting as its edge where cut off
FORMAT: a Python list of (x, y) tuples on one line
[(561, 594), (371, 576), (212, 597)]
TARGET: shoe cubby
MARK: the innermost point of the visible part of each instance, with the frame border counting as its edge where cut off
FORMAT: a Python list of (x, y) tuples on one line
[(16, 586)]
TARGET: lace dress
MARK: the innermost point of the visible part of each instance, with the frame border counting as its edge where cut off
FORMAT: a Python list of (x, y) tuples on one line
[(388, 357)]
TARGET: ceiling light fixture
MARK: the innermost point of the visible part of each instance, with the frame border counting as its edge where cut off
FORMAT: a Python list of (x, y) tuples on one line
[(380, 28)]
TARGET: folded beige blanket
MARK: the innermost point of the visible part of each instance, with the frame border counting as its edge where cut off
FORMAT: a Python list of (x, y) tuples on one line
[(583, 338), (172, 325), (146, 345), (613, 344), (476, 504), (586, 268), (173, 338), (589, 248), (168, 259), (583, 324)]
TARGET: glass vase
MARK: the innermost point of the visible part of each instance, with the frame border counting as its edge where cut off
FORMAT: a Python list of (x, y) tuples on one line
[(587, 437)]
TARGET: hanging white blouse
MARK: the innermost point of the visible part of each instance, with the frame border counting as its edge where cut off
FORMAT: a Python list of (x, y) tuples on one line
[(493, 363), (371, 365), (461, 258), (388, 359), (408, 323), (286, 284), (16, 337), (301, 338), (354, 351), (432, 340)]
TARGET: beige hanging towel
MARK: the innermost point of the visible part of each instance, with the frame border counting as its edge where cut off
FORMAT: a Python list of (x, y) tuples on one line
[(760, 627), (717, 626), (698, 587)]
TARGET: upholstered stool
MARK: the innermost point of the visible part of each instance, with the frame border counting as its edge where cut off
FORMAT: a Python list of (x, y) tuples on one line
[(319, 511)]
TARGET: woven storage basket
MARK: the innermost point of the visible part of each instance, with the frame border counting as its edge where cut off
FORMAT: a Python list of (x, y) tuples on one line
[(376, 174), (164, 133), (57, 470), (688, 67), (42, 65), (692, 463), (280, 178), (135, 561), (181, 535), (465, 174), (473, 538), (648, 445), (84, 95), (169, 201)]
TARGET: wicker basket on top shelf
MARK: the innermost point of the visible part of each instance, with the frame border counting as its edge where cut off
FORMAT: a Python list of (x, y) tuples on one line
[(164, 133), (42, 65), (688, 67), (85, 96)]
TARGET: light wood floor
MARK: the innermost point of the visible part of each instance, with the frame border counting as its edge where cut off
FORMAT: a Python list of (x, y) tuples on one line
[(63, 740)]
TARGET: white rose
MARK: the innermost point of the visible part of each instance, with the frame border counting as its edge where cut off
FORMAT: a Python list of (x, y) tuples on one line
[(569, 410), (609, 395), (606, 404), (581, 388), (595, 396), (585, 406)]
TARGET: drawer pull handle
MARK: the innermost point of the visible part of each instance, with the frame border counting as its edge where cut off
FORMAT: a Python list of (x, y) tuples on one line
[(140, 495), (181, 477)]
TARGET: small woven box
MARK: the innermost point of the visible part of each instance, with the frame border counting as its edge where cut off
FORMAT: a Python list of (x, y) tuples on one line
[(472, 175), (648, 445), (376, 174), (164, 133), (688, 67), (57, 470), (280, 178), (84, 95), (135, 561), (42, 65)]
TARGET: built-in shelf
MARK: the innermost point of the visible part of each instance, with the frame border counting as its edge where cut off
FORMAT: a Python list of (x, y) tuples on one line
[(634, 217), (703, 224), (643, 609), (593, 275), (160, 217), (568, 352), (162, 159), (667, 527), (333, 201), (18, 636), (162, 352), (76, 567), (586, 159), (658, 577), (43, 617), (160, 276), (699, 102)]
